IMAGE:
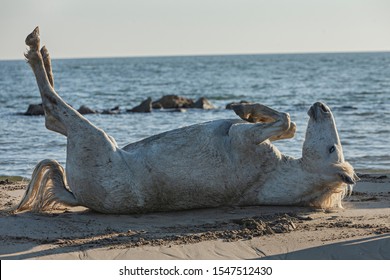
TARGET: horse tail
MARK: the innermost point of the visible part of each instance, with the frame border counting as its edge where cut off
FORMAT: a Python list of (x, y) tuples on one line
[(47, 188)]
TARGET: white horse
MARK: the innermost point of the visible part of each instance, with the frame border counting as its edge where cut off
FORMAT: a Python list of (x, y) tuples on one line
[(223, 162)]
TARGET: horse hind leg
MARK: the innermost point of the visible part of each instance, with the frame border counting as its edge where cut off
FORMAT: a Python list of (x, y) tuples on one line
[(47, 189), (47, 63), (87, 145), (51, 123), (59, 116)]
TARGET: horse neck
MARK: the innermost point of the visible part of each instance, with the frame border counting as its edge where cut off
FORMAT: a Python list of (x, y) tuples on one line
[(294, 171), (293, 182)]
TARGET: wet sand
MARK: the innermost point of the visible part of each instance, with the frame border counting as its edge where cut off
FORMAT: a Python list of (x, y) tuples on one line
[(359, 231)]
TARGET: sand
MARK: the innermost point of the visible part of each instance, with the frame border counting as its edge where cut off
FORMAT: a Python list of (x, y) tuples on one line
[(359, 231)]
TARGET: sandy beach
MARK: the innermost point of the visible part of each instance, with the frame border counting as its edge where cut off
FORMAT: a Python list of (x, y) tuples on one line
[(359, 231)]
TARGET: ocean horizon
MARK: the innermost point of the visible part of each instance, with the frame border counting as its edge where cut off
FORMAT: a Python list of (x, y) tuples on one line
[(209, 54)]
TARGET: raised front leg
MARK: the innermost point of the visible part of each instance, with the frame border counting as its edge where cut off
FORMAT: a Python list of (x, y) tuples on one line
[(266, 123), (255, 112), (287, 134)]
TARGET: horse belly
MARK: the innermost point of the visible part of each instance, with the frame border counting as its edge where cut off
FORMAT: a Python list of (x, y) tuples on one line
[(212, 176)]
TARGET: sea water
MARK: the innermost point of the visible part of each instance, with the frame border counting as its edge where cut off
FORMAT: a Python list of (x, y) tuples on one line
[(356, 86)]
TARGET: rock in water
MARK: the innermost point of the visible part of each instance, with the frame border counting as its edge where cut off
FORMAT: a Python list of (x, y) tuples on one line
[(173, 102), (203, 103), (35, 110), (144, 107), (84, 110)]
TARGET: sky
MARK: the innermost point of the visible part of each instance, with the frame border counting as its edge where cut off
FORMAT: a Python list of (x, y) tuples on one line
[(115, 28)]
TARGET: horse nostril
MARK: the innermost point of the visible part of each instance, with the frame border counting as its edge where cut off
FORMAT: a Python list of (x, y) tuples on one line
[(323, 108)]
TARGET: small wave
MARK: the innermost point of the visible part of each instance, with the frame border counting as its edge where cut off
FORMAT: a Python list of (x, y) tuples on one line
[(369, 93), (343, 108), (385, 131), (229, 97), (366, 114), (373, 158)]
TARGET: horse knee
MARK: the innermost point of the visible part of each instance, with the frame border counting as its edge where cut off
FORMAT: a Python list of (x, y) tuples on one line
[(53, 124), (285, 121)]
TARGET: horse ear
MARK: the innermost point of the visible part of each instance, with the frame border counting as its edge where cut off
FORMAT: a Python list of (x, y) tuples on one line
[(346, 173), (346, 178)]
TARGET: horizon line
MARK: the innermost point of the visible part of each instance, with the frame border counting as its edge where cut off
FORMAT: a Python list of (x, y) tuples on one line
[(210, 54)]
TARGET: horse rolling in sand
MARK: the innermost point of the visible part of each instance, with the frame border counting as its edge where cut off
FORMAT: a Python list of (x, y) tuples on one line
[(217, 163)]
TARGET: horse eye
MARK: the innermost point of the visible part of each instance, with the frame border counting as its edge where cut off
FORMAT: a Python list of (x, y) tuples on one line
[(332, 149)]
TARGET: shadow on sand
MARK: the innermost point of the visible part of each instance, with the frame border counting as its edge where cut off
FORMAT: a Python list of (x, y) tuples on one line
[(31, 235), (370, 248)]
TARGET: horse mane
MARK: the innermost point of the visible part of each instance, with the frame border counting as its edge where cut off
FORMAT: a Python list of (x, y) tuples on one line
[(334, 194)]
